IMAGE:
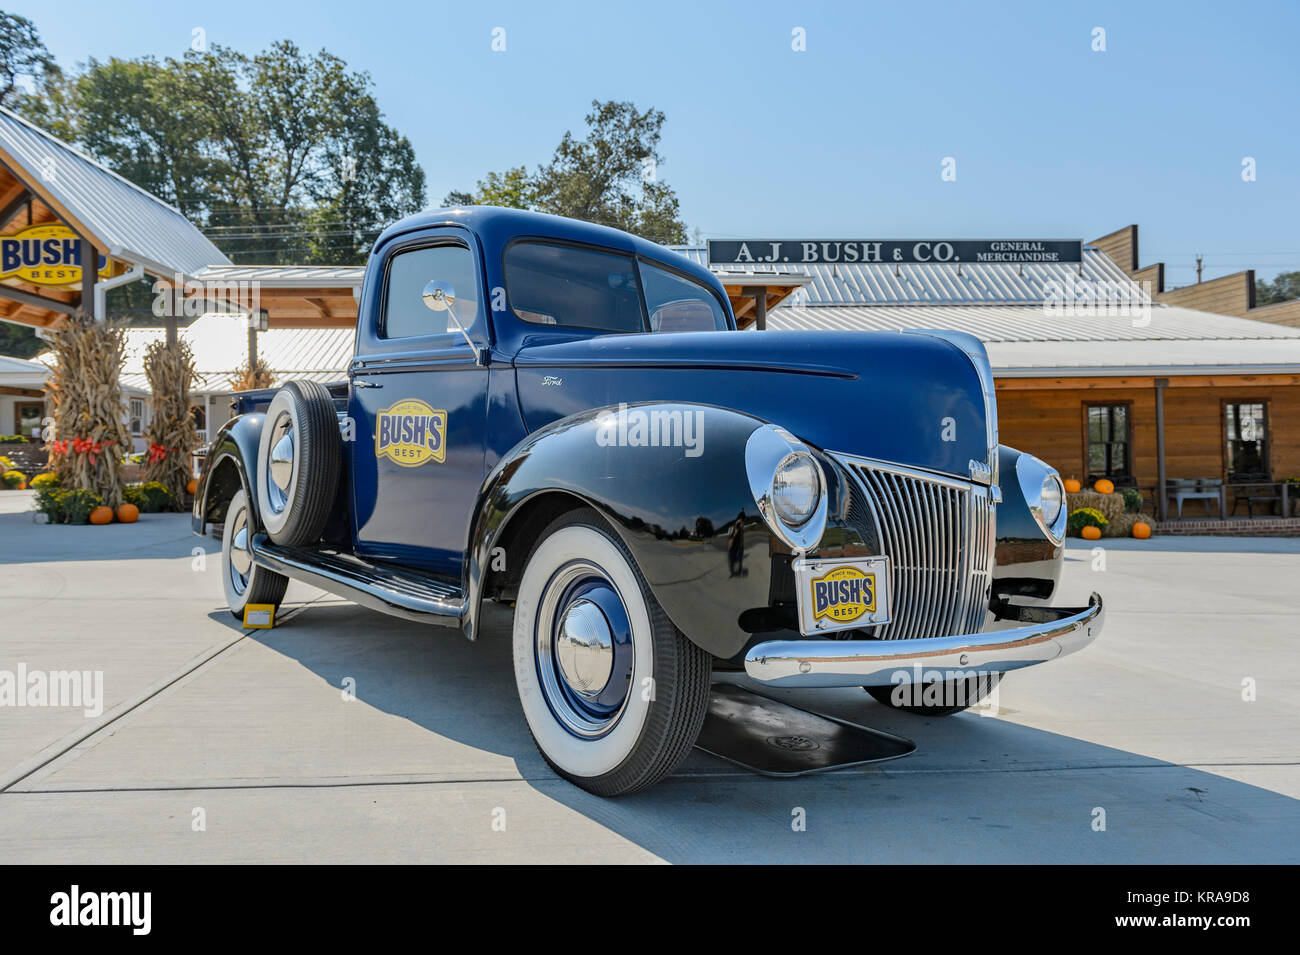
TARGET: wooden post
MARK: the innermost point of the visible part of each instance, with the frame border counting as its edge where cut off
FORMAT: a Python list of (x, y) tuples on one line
[(252, 346), (89, 272), (759, 295), (1162, 507)]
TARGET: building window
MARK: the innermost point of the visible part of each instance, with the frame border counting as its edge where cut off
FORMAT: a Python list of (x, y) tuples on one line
[(1108, 439), (137, 415), (1246, 430), (27, 419)]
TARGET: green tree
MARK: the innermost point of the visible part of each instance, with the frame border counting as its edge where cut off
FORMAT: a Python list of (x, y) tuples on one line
[(281, 156), (313, 171), (609, 177), (513, 189), (19, 341), (22, 53), (1284, 287), (135, 117)]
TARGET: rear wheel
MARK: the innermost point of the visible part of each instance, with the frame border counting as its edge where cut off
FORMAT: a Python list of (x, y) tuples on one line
[(244, 581), (613, 693), (936, 699)]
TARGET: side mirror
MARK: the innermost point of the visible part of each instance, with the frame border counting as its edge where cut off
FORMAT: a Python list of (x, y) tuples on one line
[(439, 296)]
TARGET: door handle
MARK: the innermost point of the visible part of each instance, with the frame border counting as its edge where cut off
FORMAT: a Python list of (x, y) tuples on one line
[(366, 384)]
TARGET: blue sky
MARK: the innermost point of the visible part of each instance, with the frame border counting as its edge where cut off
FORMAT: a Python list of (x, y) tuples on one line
[(844, 139)]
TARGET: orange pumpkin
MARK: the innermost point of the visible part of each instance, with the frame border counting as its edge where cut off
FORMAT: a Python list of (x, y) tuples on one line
[(101, 515), (128, 513), (1072, 486), (1141, 530), (1104, 487), (192, 487), (1091, 533), (22, 485)]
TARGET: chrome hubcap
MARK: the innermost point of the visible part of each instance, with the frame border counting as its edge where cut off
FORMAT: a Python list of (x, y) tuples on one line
[(584, 649), (241, 559), (279, 467)]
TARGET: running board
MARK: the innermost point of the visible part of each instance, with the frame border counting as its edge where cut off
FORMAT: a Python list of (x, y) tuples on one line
[(400, 593)]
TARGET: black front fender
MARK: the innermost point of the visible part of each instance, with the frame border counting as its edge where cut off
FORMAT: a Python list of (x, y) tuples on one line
[(675, 507), (233, 450)]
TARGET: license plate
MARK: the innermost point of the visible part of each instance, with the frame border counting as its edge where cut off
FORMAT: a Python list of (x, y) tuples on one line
[(841, 594)]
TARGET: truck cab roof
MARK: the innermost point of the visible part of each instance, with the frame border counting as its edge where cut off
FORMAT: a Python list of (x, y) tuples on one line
[(497, 227)]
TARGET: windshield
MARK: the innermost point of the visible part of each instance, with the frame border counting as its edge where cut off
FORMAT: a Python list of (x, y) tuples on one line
[(575, 287)]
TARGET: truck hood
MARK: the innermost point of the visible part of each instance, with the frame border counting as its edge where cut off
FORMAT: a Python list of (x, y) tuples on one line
[(905, 398)]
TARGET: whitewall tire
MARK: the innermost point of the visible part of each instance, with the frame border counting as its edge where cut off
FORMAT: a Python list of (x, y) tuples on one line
[(245, 583), (613, 693)]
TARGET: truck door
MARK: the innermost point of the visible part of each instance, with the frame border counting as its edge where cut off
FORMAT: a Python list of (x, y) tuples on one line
[(419, 403)]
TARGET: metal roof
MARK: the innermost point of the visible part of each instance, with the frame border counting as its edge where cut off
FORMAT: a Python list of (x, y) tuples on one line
[(939, 283), (219, 343), (1021, 323), (134, 225), (18, 372), (286, 276), (1033, 341)]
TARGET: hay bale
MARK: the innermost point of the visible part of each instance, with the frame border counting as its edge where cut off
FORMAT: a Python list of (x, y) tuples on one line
[(1110, 505), (1121, 525)]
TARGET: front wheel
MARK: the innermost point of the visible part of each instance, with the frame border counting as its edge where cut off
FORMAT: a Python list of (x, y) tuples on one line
[(245, 582), (613, 693)]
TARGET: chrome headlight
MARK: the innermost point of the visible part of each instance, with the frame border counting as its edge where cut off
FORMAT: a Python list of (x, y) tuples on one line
[(1053, 498), (788, 486), (796, 488), (1044, 495)]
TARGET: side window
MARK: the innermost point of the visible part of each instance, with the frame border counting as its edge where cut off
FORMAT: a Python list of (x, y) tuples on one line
[(405, 314), (677, 304)]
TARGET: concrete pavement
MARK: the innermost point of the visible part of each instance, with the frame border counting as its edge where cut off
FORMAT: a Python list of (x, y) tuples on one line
[(344, 736)]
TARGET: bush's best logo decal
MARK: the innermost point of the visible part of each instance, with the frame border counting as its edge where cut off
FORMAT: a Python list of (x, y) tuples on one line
[(843, 594), (410, 433), (46, 255)]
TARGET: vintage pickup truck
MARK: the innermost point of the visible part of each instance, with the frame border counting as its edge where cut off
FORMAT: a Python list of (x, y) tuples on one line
[(564, 418)]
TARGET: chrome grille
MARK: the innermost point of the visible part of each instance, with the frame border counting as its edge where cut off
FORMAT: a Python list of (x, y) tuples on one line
[(939, 535)]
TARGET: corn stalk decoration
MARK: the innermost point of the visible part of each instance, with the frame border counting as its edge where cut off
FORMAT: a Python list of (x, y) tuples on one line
[(252, 377), (171, 434), (90, 435)]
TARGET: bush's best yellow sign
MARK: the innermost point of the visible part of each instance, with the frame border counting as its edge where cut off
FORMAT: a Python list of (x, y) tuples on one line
[(411, 433), (46, 255)]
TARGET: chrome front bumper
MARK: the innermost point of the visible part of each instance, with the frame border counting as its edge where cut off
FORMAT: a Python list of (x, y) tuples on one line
[(1048, 633)]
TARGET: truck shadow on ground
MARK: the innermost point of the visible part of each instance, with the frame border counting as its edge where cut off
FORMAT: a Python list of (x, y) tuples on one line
[(976, 791)]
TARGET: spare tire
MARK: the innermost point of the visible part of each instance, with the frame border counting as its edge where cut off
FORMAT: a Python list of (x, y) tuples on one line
[(298, 463)]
